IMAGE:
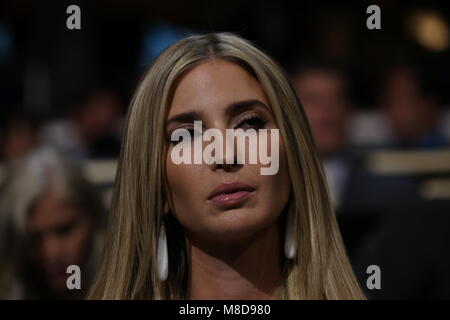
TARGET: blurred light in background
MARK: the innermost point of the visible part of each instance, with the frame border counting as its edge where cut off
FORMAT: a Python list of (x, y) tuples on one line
[(429, 29), (5, 43), (158, 37)]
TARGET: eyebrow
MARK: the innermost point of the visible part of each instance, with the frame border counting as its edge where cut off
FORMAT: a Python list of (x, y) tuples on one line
[(231, 110), (241, 106)]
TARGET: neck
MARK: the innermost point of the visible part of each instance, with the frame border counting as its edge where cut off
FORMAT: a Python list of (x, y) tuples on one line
[(249, 269)]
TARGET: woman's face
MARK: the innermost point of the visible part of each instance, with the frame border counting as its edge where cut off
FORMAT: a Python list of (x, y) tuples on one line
[(223, 202), (61, 236)]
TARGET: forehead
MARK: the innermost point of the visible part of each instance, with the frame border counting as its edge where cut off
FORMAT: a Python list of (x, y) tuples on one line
[(214, 84), (49, 211)]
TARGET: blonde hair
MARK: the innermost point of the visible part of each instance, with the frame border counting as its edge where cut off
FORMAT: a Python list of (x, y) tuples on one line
[(129, 271)]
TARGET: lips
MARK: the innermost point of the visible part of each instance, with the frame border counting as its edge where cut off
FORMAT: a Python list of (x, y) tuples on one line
[(230, 194)]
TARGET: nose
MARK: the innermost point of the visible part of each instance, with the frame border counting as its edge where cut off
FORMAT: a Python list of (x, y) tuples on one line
[(229, 158), (228, 167)]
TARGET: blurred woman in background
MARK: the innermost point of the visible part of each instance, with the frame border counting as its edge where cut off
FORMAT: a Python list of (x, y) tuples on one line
[(50, 218)]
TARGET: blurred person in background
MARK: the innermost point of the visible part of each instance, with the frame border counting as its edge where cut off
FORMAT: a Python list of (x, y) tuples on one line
[(323, 90), (17, 137), (92, 130), (382, 218), (50, 218), (410, 102), (409, 240)]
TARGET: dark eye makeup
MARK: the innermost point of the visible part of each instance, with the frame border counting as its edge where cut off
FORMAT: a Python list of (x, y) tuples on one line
[(245, 122), (251, 121), (190, 129)]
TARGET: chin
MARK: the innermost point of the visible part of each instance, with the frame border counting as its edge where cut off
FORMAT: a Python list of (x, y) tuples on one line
[(58, 286), (235, 225)]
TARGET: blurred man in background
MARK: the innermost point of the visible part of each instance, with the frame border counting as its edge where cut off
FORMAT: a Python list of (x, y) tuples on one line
[(92, 129), (382, 218), (411, 105), (322, 91)]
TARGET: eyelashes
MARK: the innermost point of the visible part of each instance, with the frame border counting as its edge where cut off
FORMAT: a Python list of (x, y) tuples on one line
[(191, 131), (251, 122), (248, 121)]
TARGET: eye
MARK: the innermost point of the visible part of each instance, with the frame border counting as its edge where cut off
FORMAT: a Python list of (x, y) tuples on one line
[(252, 122), (191, 131), (64, 229)]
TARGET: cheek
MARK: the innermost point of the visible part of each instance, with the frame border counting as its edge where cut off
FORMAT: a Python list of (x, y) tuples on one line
[(77, 242), (276, 188), (185, 187)]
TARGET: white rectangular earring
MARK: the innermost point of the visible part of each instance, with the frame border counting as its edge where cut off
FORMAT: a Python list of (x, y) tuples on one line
[(290, 245), (163, 255)]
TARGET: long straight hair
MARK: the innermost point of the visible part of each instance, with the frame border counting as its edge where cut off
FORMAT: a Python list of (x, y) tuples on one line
[(321, 269)]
